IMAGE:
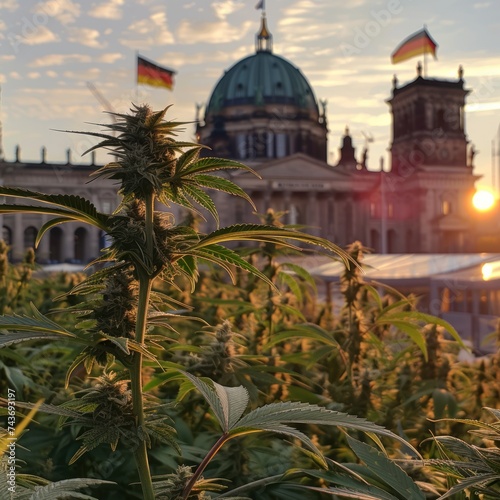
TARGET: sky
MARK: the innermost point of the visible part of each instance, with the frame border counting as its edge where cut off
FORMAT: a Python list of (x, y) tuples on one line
[(51, 50)]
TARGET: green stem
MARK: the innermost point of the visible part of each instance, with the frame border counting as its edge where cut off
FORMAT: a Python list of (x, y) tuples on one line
[(145, 283), (199, 470)]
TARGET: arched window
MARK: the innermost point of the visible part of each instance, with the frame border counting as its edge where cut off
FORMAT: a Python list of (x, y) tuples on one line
[(375, 240), (294, 215), (80, 245), (391, 241), (440, 121), (30, 237), (55, 245), (7, 235), (281, 145), (446, 207)]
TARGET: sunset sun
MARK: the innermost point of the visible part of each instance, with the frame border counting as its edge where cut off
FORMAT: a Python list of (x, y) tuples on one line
[(483, 200)]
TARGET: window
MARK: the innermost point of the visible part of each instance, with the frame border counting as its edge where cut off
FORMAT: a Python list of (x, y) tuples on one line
[(30, 237), (440, 121), (446, 207), (281, 145), (241, 146), (373, 209), (106, 207), (390, 210), (7, 235)]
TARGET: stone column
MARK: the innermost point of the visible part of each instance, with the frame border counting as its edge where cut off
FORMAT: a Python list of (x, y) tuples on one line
[(43, 250), (312, 217), (18, 238), (287, 199)]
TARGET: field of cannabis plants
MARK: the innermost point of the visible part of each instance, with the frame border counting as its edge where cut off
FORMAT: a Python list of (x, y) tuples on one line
[(179, 367)]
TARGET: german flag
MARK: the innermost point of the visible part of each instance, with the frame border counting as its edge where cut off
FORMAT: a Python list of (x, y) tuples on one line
[(416, 44), (149, 73)]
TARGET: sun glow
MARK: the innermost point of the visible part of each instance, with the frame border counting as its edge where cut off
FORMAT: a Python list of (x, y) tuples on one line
[(483, 200)]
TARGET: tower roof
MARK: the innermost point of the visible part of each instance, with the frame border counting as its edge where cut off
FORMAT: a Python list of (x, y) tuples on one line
[(262, 78)]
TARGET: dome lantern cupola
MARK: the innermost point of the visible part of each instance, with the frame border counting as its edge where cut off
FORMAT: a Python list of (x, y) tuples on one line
[(264, 39)]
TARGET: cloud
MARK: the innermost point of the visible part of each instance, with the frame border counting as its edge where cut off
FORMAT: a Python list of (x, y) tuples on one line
[(10, 5), (110, 58), (41, 34), (85, 36), (178, 59), (65, 11), (108, 10), (61, 59), (83, 74), (152, 31), (211, 32), (225, 8), (33, 75), (481, 5), (483, 106), (51, 74)]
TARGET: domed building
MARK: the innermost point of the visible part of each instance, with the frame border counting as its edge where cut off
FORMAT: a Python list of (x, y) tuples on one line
[(263, 112)]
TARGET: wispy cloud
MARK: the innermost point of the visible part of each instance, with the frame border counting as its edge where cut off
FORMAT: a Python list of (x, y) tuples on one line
[(212, 32), (85, 36), (60, 59), (83, 74), (65, 11), (225, 8), (10, 5), (112, 9), (110, 58), (40, 35), (151, 31)]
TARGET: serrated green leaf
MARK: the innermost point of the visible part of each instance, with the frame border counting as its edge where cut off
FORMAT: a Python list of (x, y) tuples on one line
[(271, 234), (223, 256), (66, 488), (296, 412), (388, 472), (202, 199), (209, 164), (73, 206), (306, 331), (223, 185), (414, 332)]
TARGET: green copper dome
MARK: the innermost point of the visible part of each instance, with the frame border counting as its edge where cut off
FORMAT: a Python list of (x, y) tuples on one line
[(261, 79)]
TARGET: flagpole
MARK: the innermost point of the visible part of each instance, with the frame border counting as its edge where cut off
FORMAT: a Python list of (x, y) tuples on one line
[(425, 54), (137, 77), (383, 214), (493, 180)]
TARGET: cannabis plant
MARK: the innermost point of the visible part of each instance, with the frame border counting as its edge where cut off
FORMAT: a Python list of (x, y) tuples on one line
[(126, 325)]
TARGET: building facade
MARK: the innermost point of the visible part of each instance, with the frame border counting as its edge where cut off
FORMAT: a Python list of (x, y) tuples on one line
[(263, 112), (70, 242)]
